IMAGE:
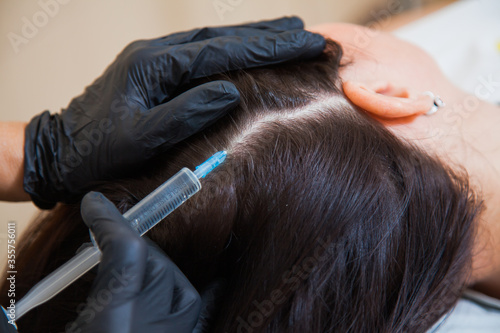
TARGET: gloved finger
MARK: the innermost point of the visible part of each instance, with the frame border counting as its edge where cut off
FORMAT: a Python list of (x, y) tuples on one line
[(124, 253), (228, 53), (282, 24), (5, 322), (163, 274), (159, 278), (210, 298), (249, 29), (186, 114), (213, 291), (178, 307), (204, 34), (187, 301)]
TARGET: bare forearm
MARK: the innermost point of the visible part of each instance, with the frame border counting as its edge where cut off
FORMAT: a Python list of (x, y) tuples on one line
[(12, 158)]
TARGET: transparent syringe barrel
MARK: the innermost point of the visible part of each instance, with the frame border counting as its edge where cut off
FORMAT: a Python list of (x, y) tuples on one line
[(56, 281), (143, 216), (163, 200)]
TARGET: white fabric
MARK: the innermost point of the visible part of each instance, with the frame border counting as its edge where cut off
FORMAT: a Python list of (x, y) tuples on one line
[(464, 39), (474, 313)]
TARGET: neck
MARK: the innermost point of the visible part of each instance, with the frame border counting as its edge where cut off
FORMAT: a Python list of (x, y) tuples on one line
[(465, 135), (480, 156)]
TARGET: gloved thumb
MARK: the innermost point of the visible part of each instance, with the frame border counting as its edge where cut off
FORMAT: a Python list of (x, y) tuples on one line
[(108, 225), (123, 250), (103, 218)]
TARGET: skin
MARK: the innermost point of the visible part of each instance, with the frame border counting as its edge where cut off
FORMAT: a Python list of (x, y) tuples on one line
[(11, 168), (387, 78)]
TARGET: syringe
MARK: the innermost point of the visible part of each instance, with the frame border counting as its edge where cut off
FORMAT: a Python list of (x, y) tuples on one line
[(143, 216)]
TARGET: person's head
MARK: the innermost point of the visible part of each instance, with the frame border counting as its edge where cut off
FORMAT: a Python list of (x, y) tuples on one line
[(388, 76), (319, 220)]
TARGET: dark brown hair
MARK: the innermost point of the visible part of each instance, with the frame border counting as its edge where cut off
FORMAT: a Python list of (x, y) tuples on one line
[(320, 220)]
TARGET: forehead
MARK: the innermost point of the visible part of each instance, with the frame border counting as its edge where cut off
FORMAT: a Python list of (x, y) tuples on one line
[(373, 55)]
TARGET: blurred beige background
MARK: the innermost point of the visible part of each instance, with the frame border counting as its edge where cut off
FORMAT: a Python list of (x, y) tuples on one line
[(51, 49)]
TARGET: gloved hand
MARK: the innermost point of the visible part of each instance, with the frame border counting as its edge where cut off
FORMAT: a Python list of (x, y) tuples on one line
[(137, 288), (132, 112), (5, 326)]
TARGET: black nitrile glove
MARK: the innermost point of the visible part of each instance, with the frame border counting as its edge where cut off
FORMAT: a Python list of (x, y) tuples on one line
[(137, 287), (131, 112), (5, 325)]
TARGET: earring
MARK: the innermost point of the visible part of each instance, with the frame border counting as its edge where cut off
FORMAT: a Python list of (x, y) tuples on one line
[(438, 102)]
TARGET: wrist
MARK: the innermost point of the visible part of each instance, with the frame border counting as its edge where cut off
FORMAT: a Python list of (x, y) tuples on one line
[(12, 168), (42, 179)]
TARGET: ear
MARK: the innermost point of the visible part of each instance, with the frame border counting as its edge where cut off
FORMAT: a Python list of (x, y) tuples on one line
[(385, 100)]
